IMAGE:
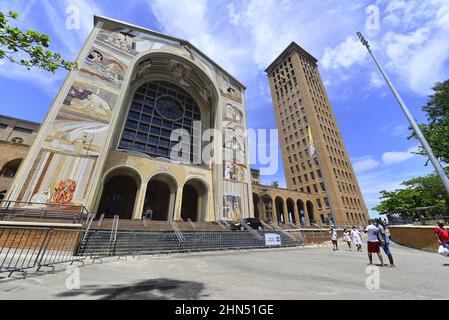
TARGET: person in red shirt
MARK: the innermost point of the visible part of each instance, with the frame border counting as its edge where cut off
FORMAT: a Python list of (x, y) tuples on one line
[(442, 234)]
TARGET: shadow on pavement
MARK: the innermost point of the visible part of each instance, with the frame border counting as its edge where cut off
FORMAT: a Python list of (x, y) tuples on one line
[(155, 289)]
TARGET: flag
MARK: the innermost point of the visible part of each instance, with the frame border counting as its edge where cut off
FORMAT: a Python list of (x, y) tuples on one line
[(312, 151)]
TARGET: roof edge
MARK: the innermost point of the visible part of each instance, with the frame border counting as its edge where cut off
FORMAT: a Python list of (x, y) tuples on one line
[(291, 47), (21, 120), (98, 18)]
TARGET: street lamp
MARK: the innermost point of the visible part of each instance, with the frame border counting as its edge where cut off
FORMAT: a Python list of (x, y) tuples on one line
[(436, 164)]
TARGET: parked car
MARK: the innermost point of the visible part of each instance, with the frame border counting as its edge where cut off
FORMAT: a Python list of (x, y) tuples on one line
[(252, 222)]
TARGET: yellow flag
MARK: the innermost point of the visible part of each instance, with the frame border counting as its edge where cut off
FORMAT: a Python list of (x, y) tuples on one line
[(312, 143)]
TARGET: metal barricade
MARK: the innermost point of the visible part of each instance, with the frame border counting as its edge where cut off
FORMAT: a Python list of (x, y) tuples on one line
[(24, 248)]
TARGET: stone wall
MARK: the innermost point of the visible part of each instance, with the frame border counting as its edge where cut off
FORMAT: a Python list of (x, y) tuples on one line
[(417, 237), (25, 239)]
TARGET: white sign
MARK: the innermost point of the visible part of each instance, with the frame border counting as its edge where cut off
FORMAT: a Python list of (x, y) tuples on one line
[(272, 239)]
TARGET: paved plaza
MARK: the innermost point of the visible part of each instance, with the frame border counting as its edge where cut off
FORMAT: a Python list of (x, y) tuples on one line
[(298, 273)]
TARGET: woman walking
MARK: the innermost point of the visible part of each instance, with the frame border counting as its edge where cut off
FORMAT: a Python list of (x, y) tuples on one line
[(357, 238), (348, 238)]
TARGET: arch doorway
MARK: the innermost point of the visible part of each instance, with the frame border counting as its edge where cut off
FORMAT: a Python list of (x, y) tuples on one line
[(160, 197), (119, 193), (291, 210), (310, 211), (194, 201), (280, 210), (268, 208), (256, 202), (301, 212)]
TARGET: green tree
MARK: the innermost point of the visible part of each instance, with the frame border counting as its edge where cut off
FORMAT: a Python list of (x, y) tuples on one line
[(418, 192), (28, 48), (393, 201), (436, 130)]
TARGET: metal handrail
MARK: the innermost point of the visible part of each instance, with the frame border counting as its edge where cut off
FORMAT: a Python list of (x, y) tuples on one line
[(89, 220), (222, 225), (251, 230), (20, 209), (278, 228), (192, 224), (179, 236), (113, 236), (266, 225)]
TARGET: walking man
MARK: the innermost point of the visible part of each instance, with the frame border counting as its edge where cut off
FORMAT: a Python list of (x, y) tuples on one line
[(385, 239), (373, 243), (357, 237), (334, 238)]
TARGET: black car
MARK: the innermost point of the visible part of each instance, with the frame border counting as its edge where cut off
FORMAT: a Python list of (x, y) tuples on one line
[(252, 222)]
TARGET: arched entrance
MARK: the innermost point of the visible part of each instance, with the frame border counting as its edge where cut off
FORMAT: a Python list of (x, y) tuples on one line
[(291, 210), (256, 202), (301, 212), (194, 201), (160, 197), (119, 193), (268, 208), (310, 211), (280, 210), (7, 174)]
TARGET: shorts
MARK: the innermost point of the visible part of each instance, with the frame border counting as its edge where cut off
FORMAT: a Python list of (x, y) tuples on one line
[(386, 248), (446, 245), (334, 242), (374, 247)]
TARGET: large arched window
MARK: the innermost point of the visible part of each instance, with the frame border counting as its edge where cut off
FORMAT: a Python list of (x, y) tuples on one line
[(157, 109)]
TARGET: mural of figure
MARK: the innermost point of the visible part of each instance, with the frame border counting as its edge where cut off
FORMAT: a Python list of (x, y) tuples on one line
[(39, 200), (86, 99), (64, 191), (77, 136), (121, 40), (229, 171), (95, 56), (106, 67), (233, 114)]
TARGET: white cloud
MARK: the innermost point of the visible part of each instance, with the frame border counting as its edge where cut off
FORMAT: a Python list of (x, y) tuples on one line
[(376, 81), (64, 41), (400, 130), (417, 47), (365, 164), (389, 179), (345, 55), (395, 157), (233, 15)]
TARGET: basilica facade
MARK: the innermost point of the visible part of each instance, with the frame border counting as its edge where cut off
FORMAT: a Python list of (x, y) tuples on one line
[(134, 129)]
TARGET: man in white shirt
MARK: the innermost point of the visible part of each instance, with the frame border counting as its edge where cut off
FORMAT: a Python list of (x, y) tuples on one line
[(373, 243), (334, 238), (385, 241)]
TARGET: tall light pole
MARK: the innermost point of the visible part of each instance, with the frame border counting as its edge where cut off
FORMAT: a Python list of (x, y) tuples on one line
[(436, 164)]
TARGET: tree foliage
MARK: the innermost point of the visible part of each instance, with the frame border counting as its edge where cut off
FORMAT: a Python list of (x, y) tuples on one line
[(436, 130), (28, 48), (419, 192)]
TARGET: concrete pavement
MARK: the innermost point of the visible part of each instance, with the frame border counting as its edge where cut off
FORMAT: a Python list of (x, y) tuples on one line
[(299, 273)]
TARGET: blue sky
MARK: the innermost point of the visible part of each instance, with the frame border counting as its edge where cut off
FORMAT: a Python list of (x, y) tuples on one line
[(244, 36)]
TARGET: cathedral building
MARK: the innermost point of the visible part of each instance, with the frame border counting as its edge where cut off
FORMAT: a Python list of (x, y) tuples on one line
[(130, 131)]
